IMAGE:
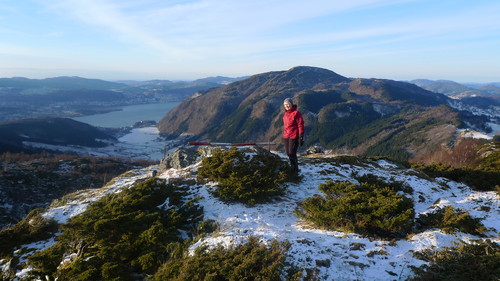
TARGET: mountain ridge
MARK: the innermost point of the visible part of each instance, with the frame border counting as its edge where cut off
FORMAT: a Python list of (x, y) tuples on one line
[(23, 98), (333, 106), (57, 131), (481, 95), (60, 82), (275, 86)]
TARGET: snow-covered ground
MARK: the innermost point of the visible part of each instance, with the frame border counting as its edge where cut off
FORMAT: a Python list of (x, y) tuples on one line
[(335, 255), (343, 256), (466, 133)]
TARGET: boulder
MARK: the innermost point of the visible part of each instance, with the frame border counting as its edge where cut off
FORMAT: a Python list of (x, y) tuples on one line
[(180, 158), (314, 150), (183, 157)]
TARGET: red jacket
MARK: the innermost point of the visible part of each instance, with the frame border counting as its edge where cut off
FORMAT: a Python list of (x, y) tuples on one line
[(293, 123)]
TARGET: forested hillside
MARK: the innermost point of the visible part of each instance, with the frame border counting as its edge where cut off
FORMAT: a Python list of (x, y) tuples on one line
[(349, 116)]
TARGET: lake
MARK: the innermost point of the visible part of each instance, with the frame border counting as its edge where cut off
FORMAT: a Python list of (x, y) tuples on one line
[(128, 115)]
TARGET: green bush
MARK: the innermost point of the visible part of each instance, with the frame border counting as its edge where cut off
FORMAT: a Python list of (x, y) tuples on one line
[(249, 261), (122, 235), (377, 182), (372, 209), (244, 178), (31, 229), (477, 261), (450, 220), (492, 161), (481, 179), (47, 261)]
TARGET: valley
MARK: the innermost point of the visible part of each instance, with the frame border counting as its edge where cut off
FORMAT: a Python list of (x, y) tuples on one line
[(22, 98), (64, 147), (343, 115)]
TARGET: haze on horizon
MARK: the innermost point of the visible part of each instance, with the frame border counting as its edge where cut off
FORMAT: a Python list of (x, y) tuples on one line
[(456, 40)]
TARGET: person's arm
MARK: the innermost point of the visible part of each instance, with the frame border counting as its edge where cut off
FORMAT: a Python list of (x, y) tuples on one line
[(300, 125)]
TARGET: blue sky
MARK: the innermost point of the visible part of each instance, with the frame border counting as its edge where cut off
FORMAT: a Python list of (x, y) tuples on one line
[(183, 40)]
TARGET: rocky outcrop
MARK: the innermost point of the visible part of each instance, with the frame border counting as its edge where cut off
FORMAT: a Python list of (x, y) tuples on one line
[(180, 158), (186, 156)]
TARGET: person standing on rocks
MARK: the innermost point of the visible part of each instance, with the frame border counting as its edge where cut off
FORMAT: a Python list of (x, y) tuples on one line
[(293, 132)]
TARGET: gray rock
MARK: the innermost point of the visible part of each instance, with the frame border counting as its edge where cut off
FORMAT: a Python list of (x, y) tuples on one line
[(183, 157), (314, 150), (206, 151), (180, 158)]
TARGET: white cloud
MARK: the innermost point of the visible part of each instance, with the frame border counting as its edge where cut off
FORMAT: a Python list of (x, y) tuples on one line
[(197, 25), (110, 17)]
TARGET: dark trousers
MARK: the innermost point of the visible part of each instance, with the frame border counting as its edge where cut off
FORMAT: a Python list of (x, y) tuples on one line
[(291, 146)]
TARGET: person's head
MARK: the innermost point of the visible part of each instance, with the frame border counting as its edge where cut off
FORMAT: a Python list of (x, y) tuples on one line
[(288, 103)]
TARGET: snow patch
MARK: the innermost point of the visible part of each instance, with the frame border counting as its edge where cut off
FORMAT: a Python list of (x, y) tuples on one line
[(334, 255), (140, 143), (475, 135)]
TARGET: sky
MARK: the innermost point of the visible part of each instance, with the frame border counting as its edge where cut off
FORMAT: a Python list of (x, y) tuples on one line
[(456, 40)]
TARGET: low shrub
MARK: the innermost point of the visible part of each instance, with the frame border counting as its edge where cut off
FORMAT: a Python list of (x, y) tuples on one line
[(372, 209), (404, 164), (475, 261), (248, 261), (123, 235), (450, 220), (31, 229), (492, 161), (377, 182), (245, 178), (482, 178)]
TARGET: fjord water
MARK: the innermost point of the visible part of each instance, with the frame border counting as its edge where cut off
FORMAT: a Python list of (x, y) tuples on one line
[(128, 115)]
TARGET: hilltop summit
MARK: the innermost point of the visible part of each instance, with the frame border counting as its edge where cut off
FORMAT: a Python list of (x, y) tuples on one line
[(348, 115), (135, 223)]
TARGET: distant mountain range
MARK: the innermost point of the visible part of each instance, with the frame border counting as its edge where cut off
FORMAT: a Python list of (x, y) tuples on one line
[(345, 115), (454, 88), (60, 83), (482, 95), (353, 116), (33, 110), (78, 83), (74, 96)]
